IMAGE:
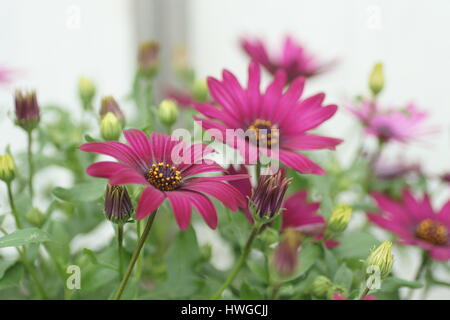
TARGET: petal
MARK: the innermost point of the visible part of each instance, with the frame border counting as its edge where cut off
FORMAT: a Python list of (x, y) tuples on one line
[(139, 141), (441, 254), (104, 169), (205, 208), (300, 163), (181, 206), (149, 201), (127, 176), (311, 142)]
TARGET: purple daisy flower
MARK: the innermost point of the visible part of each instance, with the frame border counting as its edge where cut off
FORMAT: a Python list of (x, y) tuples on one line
[(415, 221), (167, 168), (274, 123)]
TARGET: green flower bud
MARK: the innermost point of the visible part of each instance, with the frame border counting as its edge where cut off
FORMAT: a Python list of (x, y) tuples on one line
[(35, 217), (86, 91), (269, 236), (335, 289), (320, 286), (148, 58), (109, 104), (340, 218), (382, 258), (200, 91), (168, 112), (7, 168), (110, 127), (376, 79)]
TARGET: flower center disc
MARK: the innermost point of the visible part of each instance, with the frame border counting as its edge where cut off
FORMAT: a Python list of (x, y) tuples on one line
[(163, 177), (263, 133), (432, 232)]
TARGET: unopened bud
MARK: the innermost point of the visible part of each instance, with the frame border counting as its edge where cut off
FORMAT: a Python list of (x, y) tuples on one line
[(86, 91), (340, 218), (148, 59), (286, 254), (118, 206), (35, 217), (27, 110), (320, 286), (109, 104), (7, 168), (110, 127), (200, 91), (376, 79), (382, 258), (168, 112)]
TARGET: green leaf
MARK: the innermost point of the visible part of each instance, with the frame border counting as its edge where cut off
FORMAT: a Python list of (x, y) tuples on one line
[(24, 236), (12, 277), (355, 244), (344, 277), (90, 255), (4, 265), (82, 192), (248, 293), (394, 283)]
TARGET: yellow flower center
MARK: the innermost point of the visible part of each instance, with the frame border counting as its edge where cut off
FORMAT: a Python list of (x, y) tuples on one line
[(163, 177), (432, 232), (263, 133)]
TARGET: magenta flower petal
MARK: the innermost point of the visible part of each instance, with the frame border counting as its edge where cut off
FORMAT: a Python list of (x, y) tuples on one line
[(312, 142), (104, 169), (205, 208), (300, 162), (149, 201), (182, 208), (138, 140), (127, 176)]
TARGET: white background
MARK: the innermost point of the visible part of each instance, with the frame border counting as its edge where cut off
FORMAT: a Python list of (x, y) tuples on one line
[(409, 36)]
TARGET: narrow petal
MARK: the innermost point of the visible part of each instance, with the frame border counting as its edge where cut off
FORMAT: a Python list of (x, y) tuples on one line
[(182, 208), (311, 142), (149, 201), (300, 163), (139, 141), (127, 176), (205, 208), (104, 169)]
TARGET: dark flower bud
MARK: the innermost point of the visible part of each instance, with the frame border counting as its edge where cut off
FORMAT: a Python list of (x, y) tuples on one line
[(109, 104), (269, 194), (286, 254), (27, 110), (148, 60), (118, 207)]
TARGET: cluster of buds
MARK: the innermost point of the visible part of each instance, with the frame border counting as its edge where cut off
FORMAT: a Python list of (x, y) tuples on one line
[(7, 167), (324, 288), (112, 120), (86, 91), (269, 195), (118, 206), (148, 60), (339, 219), (376, 79), (27, 110), (168, 112)]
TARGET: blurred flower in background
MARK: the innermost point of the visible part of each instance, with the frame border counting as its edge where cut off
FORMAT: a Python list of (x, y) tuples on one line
[(7, 75), (294, 59)]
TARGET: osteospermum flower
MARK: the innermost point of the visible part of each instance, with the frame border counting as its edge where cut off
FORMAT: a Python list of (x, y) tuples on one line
[(402, 126), (167, 169), (294, 59), (300, 215), (416, 223), (6, 75), (274, 122)]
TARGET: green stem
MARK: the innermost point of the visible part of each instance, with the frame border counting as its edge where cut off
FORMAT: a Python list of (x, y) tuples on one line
[(141, 256), (364, 293), (135, 256), (13, 206), (120, 248), (33, 275), (275, 291), (258, 171), (240, 263), (30, 163)]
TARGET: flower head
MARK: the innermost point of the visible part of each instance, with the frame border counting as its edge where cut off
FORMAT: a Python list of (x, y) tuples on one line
[(294, 59), (27, 110), (166, 167), (7, 167), (118, 206), (300, 215), (382, 257), (269, 193), (273, 123), (415, 222), (398, 125), (109, 104)]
